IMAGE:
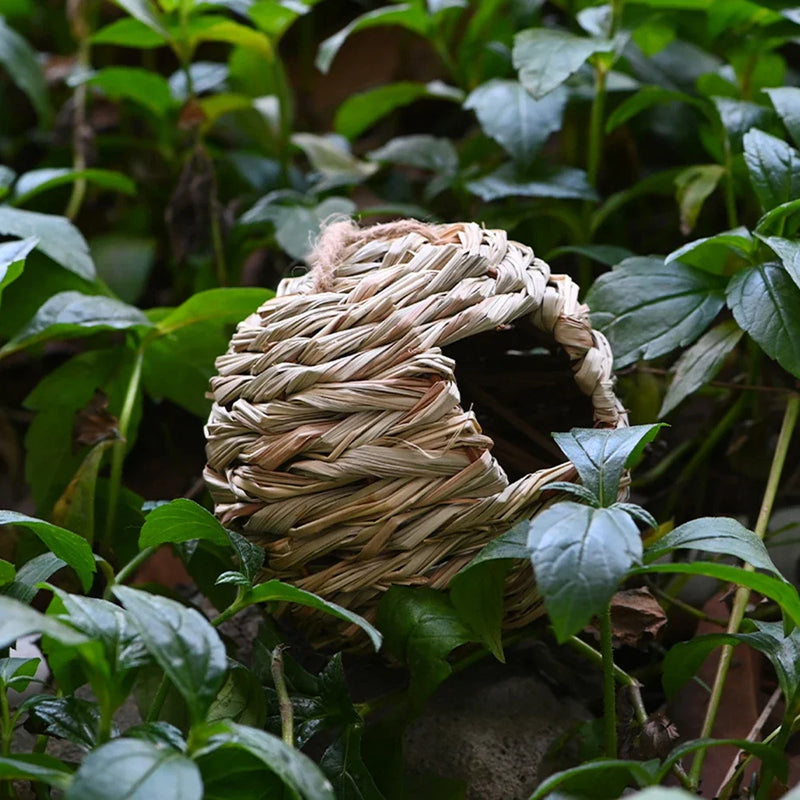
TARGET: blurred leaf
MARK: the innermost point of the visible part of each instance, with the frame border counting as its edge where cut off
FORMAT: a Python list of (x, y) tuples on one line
[(57, 238), (70, 718), (407, 16), (7, 572), (158, 733), (765, 301), (738, 117), (645, 98), (786, 100), (145, 12), (580, 555), (134, 769), (183, 643), (22, 64), (276, 18), (362, 110), (694, 185), (68, 315), (545, 57), (510, 116), (37, 181), (219, 305), (17, 673), (332, 160), (700, 363), (542, 181), (605, 779), (213, 28), (68, 546), (240, 699), (36, 767), (421, 627), (148, 89), (647, 308), (206, 76), (18, 620), (776, 219), (129, 32), (12, 260), (343, 765), (30, 574), (181, 520), (774, 168), (420, 151), (124, 263)]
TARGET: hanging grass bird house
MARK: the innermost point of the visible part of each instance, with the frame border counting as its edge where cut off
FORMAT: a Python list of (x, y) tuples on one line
[(388, 413)]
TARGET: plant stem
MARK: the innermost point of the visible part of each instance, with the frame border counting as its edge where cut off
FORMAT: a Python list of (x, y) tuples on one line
[(6, 728), (158, 700), (609, 688), (118, 454), (80, 130), (743, 593), (284, 701), (129, 569), (234, 608), (216, 239)]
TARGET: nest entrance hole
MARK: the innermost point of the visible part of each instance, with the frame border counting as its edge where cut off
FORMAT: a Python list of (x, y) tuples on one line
[(519, 383)]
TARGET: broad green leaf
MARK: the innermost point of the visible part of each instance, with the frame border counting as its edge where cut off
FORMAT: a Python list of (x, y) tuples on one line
[(421, 627), (714, 535), (181, 520), (545, 57), (276, 18), (275, 591), (777, 218), (407, 16), (57, 238), (334, 163), (133, 769), (35, 767), (30, 575), (601, 455), (224, 306), (647, 97), (344, 766), (22, 64), (12, 260), (700, 363), (684, 659), (361, 111), (146, 12), (509, 115), (786, 100), (158, 733), (241, 698), (580, 555), (602, 778), (70, 718), (511, 544), (647, 308), (782, 592), (129, 32), (765, 301), (714, 253), (788, 251), (148, 89), (420, 151), (69, 315), (774, 168), (183, 643), (693, 187), (37, 181), (206, 76), (565, 183), (17, 673), (213, 28), (782, 651), (18, 620), (66, 545), (297, 771), (124, 263), (7, 572), (738, 117)]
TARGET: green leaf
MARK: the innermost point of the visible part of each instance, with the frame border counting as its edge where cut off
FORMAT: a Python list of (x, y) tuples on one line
[(344, 766), (68, 315), (738, 117), (420, 151), (37, 181), (693, 186), (765, 301), (580, 555), (510, 116), (334, 163), (251, 556), (241, 698), (786, 100), (18, 619), (68, 546), (407, 16), (601, 455), (645, 98), (181, 520), (30, 575), (213, 28), (224, 306), (298, 772), (647, 308), (714, 253), (774, 168), (7, 572), (146, 88), (362, 110), (602, 778), (545, 57), (544, 180), (35, 767), (124, 263), (714, 535), (146, 13), (511, 544), (789, 253), (421, 627), (700, 363), (69, 718), (22, 64), (158, 733), (57, 238), (133, 769), (782, 651), (183, 643), (17, 673), (129, 32), (12, 260), (777, 218), (275, 591), (684, 659)]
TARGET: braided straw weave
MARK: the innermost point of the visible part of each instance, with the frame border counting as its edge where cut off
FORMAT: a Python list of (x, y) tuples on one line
[(337, 439)]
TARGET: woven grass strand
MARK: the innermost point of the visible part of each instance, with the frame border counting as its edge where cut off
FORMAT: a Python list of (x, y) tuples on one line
[(337, 439)]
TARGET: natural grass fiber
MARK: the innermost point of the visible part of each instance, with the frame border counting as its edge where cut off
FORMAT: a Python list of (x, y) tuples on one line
[(337, 439)]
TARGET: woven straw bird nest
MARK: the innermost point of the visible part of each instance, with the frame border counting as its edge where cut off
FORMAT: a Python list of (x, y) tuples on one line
[(338, 438)]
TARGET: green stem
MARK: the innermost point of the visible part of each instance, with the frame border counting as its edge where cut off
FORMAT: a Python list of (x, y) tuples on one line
[(106, 718), (6, 728), (284, 701), (730, 189), (130, 568), (80, 130), (234, 608), (118, 454), (158, 700), (609, 688), (743, 593)]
